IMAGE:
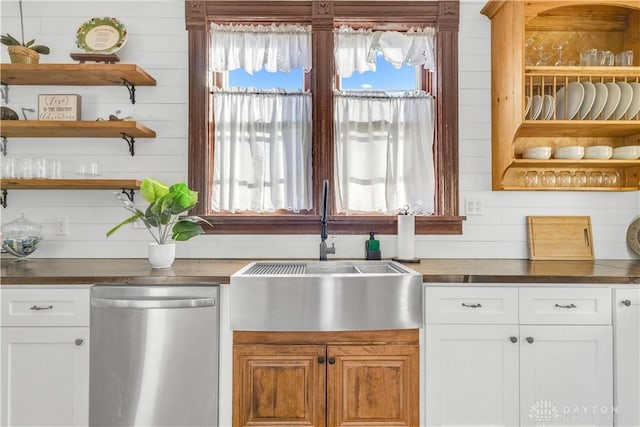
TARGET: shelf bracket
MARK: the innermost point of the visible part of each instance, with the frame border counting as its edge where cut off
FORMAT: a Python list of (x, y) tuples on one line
[(129, 193), (131, 141), (5, 92), (3, 198), (132, 90), (3, 146)]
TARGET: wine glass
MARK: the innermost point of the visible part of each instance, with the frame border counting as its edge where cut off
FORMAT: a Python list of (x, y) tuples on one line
[(543, 56), (527, 45), (560, 47)]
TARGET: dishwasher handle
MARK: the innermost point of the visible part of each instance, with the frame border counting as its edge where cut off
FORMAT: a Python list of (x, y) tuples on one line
[(146, 303)]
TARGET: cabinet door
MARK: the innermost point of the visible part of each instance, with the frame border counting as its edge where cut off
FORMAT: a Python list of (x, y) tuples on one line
[(626, 351), (566, 375), (278, 385), (45, 376), (373, 385), (471, 375)]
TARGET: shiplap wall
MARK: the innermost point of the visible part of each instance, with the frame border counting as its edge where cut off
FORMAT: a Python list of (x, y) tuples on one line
[(158, 42)]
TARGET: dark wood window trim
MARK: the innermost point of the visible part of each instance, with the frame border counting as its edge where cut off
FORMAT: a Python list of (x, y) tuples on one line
[(324, 15)]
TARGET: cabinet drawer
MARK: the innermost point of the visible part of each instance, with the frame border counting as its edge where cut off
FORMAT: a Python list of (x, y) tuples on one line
[(577, 306), (460, 305), (45, 307)]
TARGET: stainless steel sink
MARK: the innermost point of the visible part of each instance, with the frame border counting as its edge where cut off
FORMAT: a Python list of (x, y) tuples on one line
[(325, 296)]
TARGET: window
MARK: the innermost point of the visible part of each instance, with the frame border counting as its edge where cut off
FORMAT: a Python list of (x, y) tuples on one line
[(325, 17)]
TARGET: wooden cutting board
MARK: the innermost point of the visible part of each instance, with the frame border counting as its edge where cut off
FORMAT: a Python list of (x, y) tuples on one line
[(560, 238)]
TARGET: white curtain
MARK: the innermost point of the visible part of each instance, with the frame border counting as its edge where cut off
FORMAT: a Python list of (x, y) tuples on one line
[(383, 152), (356, 50), (262, 150), (252, 47)]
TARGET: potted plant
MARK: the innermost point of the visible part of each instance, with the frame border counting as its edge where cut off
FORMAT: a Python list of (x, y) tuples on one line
[(21, 52), (162, 218)]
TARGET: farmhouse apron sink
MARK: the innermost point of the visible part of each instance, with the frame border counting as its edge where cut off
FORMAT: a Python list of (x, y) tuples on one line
[(325, 296)]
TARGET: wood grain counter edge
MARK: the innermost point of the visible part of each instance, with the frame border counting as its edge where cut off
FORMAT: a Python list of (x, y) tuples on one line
[(70, 271)]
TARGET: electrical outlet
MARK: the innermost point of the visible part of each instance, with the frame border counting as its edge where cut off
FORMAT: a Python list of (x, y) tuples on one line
[(62, 226), (138, 224), (473, 206)]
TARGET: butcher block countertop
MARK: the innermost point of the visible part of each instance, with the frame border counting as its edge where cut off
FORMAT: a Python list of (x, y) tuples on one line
[(61, 271)]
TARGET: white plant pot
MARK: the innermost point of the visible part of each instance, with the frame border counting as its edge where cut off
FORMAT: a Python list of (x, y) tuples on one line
[(162, 256)]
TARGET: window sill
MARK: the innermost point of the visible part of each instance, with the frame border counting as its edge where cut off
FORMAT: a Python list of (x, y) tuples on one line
[(293, 224)]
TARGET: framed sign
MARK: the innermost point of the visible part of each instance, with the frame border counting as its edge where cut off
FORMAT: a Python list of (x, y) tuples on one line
[(59, 107)]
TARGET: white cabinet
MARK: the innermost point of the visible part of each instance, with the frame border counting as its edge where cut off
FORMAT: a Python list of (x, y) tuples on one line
[(471, 375), (566, 375), (45, 366), (626, 306), (508, 356)]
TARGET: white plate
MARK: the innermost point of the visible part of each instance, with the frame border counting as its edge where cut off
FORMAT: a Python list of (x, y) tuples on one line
[(536, 107), (626, 95), (568, 101), (634, 108), (548, 106), (613, 98), (527, 105), (601, 99), (589, 99)]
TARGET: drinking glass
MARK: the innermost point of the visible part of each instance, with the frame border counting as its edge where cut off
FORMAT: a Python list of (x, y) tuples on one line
[(527, 58), (531, 179), (548, 179), (605, 58), (625, 58), (8, 167), (39, 167), (25, 168), (611, 179), (560, 47), (589, 57), (579, 179), (543, 56), (54, 169), (564, 179), (595, 179)]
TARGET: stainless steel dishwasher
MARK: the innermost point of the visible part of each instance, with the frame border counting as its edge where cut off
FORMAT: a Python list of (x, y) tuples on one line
[(154, 356)]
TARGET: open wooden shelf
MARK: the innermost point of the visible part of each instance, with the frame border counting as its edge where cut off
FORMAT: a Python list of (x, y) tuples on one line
[(582, 163), (575, 128), (605, 25), (69, 184), (57, 129), (74, 74)]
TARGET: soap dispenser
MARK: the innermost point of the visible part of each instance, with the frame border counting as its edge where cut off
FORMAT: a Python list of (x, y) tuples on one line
[(372, 248)]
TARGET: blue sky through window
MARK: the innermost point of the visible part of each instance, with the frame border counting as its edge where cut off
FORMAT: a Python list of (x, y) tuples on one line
[(386, 77)]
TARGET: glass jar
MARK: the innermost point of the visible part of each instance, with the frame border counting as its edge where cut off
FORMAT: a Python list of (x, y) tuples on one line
[(21, 238)]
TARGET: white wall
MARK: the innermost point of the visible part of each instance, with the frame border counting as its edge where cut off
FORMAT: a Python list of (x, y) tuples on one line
[(158, 42)]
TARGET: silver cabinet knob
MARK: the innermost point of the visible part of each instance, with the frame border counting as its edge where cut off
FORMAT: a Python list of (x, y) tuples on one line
[(530, 340), (513, 339), (626, 303), (79, 341)]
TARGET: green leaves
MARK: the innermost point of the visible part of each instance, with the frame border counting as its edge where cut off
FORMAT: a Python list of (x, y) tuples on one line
[(185, 229), (162, 215), (153, 190), (9, 40)]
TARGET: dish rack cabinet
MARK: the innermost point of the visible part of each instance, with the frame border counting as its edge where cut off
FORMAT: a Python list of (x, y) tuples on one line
[(126, 75), (518, 75)]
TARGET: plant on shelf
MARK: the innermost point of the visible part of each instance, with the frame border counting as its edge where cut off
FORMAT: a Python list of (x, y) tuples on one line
[(162, 216), (21, 52)]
